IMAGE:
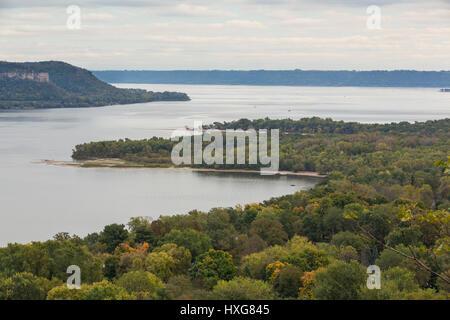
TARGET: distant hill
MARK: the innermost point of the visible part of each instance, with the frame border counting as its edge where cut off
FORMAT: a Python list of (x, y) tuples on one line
[(400, 78), (54, 84)]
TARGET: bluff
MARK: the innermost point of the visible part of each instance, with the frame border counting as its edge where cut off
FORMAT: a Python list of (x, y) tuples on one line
[(55, 84)]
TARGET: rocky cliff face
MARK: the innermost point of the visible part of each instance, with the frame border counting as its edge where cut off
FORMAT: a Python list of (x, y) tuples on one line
[(38, 77)]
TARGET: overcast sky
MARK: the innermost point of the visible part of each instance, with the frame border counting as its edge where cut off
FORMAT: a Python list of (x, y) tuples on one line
[(229, 34)]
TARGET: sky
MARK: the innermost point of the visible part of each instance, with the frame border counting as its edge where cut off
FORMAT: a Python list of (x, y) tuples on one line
[(231, 34)]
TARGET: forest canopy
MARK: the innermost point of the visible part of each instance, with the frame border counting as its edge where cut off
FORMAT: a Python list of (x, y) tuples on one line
[(385, 201)]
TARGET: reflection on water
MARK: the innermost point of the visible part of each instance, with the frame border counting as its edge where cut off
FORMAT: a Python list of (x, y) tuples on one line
[(40, 200)]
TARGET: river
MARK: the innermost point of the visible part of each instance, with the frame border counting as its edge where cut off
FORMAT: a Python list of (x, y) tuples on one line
[(39, 200)]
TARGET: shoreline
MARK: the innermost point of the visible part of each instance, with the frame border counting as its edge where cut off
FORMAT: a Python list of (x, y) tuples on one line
[(122, 164)]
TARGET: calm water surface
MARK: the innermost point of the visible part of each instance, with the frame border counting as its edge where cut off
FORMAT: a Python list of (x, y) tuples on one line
[(39, 200)]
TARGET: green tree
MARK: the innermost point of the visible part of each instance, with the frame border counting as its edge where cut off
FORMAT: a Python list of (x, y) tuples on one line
[(213, 266), (113, 235), (271, 231), (347, 238), (398, 283), (196, 242), (50, 259), (288, 281), (181, 256), (254, 265), (242, 289), (22, 286), (141, 230), (220, 230), (105, 290), (339, 281), (160, 264), (62, 292), (140, 283), (110, 267)]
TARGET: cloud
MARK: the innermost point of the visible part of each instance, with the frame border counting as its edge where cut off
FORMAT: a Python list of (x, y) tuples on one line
[(239, 34), (27, 16), (86, 3), (198, 11), (98, 16), (245, 23), (160, 3)]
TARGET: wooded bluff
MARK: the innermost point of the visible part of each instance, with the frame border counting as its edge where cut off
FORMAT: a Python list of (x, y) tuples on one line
[(54, 84)]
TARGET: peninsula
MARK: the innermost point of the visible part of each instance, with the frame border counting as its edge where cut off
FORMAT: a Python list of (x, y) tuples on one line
[(55, 84)]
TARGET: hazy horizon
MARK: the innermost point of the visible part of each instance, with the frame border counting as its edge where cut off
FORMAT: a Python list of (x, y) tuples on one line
[(230, 35)]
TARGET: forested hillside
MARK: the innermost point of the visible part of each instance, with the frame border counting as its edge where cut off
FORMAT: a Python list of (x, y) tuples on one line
[(67, 86), (385, 201)]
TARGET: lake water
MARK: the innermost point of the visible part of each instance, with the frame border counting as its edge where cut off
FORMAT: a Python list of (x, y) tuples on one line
[(39, 200)]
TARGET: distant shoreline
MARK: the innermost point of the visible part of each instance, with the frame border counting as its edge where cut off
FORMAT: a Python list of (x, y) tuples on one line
[(122, 164), (307, 78)]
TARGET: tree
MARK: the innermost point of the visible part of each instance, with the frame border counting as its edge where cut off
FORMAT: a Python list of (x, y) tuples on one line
[(313, 227), (248, 245), (254, 265), (271, 231), (180, 255), (220, 230), (62, 292), (348, 254), (141, 230), (140, 283), (180, 288), (305, 255), (288, 281), (413, 215), (50, 259), (196, 242), (339, 281), (242, 289), (130, 261), (160, 264), (22, 286), (105, 290), (406, 236), (398, 283), (110, 267), (213, 266), (113, 235), (347, 238)]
